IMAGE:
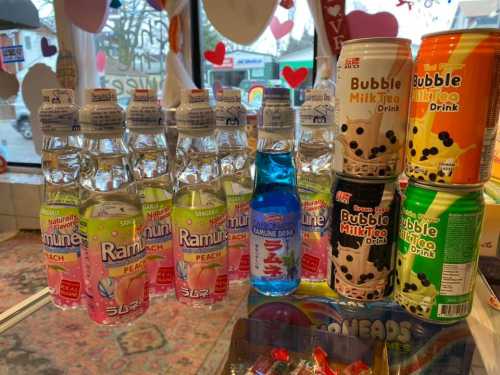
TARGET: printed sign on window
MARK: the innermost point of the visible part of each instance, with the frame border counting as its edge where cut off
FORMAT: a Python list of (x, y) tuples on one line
[(12, 54)]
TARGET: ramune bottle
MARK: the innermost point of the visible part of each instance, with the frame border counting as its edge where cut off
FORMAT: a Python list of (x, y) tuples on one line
[(149, 157), (275, 207), (199, 211), (59, 210), (315, 179), (230, 119), (111, 219)]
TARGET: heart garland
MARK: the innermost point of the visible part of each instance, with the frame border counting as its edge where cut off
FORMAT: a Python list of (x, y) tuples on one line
[(294, 77), (280, 29), (47, 49), (216, 56)]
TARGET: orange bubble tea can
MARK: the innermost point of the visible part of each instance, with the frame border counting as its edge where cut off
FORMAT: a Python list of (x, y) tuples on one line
[(454, 107)]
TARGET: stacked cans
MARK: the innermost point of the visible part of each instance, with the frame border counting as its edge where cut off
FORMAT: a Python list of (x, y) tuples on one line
[(373, 88), (453, 117)]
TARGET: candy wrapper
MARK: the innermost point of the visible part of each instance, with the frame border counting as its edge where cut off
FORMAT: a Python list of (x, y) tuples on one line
[(274, 348)]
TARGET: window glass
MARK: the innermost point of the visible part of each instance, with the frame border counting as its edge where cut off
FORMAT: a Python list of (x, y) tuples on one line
[(253, 67), (16, 143), (131, 49), (419, 17)]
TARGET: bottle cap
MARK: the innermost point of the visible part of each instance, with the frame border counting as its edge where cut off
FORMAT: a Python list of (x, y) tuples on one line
[(58, 113), (144, 111), (276, 112), (317, 110), (194, 113), (101, 113), (229, 112)]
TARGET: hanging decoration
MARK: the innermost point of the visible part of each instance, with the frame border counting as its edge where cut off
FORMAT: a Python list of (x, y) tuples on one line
[(405, 2), (9, 85), (365, 25), (287, 4), (100, 61), (115, 4), (174, 34), (294, 77), (280, 29), (158, 5), (217, 55), (66, 70), (47, 49), (241, 21), (88, 15), (333, 12)]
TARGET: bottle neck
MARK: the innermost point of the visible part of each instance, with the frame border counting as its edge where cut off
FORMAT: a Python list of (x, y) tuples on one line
[(274, 171), (194, 143), (105, 144), (140, 140), (52, 142), (231, 138), (275, 141)]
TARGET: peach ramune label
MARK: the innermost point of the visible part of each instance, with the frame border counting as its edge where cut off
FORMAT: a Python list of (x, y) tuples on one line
[(158, 240), (200, 253), (61, 250), (316, 247), (238, 236), (114, 260)]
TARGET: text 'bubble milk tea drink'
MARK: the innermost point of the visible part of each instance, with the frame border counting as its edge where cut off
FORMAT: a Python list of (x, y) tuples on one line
[(454, 108), (151, 167), (111, 219), (371, 106), (438, 250), (275, 207), (199, 210), (59, 215), (315, 179), (235, 162)]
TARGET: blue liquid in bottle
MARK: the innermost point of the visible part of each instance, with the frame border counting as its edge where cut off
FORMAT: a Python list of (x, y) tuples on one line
[(275, 249)]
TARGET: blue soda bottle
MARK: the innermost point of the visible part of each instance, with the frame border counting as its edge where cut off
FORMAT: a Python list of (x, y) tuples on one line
[(275, 249)]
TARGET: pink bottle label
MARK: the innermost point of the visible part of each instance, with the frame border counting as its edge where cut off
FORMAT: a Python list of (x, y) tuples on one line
[(238, 236), (61, 248), (158, 242), (316, 246), (200, 253), (113, 257)]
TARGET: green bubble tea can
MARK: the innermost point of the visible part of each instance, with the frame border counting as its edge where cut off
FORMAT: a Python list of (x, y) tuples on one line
[(438, 251)]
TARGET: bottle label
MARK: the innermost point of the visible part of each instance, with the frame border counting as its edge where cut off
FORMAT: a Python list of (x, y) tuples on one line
[(59, 118), (158, 242), (316, 210), (238, 208), (200, 253), (61, 249), (230, 114), (114, 267), (275, 244)]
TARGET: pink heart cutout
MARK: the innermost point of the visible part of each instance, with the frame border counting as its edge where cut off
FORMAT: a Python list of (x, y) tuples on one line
[(365, 25), (280, 29), (294, 77), (216, 56), (88, 15)]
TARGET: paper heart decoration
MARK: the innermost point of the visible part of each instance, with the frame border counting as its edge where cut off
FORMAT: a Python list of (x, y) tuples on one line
[(334, 10), (47, 49), (294, 77), (280, 29), (9, 85), (88, 15), (100, 61), (216, 56), (364, 25)]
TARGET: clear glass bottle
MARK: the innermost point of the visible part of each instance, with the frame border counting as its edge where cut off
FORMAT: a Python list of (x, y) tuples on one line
[(275, 206), (325, 75), (149, 157), (199, 210), (230, 120), (111, 219), (315, 180), (59, 216)]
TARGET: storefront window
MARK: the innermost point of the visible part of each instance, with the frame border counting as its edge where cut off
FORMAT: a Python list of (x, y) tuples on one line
[(253, 67), (16, 143), (131, 49)]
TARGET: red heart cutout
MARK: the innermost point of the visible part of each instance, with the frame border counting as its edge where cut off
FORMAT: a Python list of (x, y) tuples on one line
[(294, 77), (216, 56), (365, 25), (279, 29), (47, 49)]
